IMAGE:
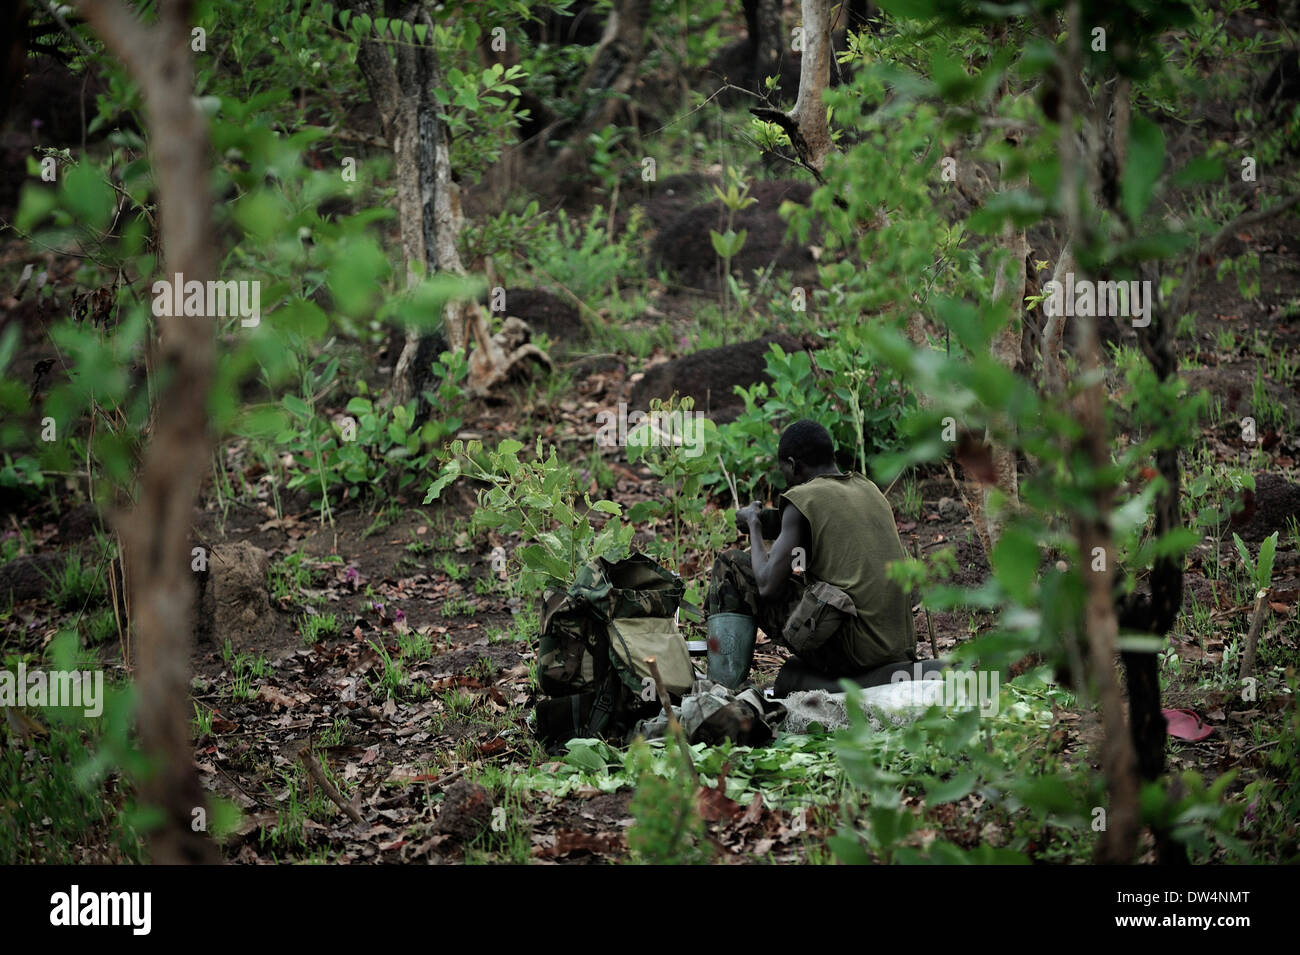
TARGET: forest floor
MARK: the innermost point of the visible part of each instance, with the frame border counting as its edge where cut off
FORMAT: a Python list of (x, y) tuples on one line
[(419, 670), (384, 641)]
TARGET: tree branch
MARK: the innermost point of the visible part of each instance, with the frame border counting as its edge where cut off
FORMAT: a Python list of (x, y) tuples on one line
[(124, 34), (66, 27), (1185, 289)]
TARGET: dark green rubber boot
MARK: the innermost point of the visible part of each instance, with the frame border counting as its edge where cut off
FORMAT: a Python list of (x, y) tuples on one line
[(731, 647)]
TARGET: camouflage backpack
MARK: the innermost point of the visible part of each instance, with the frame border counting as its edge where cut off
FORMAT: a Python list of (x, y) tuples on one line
[(594, 640)]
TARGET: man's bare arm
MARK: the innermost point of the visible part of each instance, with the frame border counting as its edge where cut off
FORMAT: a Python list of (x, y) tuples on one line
[(772, 568)]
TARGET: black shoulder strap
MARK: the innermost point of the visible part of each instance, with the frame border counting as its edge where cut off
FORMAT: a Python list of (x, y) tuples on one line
[(607, 687)]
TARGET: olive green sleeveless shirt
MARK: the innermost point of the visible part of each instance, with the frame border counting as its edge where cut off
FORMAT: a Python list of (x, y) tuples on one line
[(853, 538)]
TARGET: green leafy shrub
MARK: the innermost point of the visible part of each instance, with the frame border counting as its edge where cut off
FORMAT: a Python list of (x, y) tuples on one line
[(668, 829), (538, 499), (680, 448), (79, 583), (314, 627), (374, 448), (72, 784), (839, 386), (585, 258)]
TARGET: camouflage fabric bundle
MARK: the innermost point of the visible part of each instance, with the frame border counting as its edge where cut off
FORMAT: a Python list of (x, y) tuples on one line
[(594, 639), (712, 713)]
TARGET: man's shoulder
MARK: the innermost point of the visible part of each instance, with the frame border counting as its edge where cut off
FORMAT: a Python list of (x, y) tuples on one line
[(852, 481), (858, 495), (867, 486), (826, 487)]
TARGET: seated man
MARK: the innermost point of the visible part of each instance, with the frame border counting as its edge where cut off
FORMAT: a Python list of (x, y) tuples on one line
[(841, 616)]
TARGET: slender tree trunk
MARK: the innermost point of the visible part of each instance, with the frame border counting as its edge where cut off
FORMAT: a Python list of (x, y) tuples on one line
[(1092, 531), (1097, 553), (613, 71), (1053, 366), (1008, 287), (156, 532), (766, 39), (1146, 720), (1142, 672)]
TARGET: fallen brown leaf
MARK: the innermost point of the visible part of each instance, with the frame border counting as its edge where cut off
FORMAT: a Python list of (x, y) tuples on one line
[(715, 805), (566, 841), (275, 696)]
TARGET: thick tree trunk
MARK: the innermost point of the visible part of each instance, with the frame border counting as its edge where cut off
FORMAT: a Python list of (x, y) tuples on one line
[(428, 206), (807, 123), (809, 113), (156, 532)]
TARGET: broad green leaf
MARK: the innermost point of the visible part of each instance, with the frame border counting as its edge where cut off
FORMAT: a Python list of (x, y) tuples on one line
[(449, 474), (945, 853), (296, 405), (1146, 160), (8, 345), (643, 510), (563, 514), (1015, 563), (1021, 206), (36, 203), (585, 756), (1174, 543), (261, 214), (488, 519), (729, 243), (303, 318), (889, 824), (1047, 794), (950, 790), (1264, 566), (87, 196), (848, 850), (537, 557), (988, 855), (356, 276), (1199, 171), (1244, 553), (262, 421)]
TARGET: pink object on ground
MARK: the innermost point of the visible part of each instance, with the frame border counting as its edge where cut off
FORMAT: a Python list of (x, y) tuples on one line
[(1184, 724)]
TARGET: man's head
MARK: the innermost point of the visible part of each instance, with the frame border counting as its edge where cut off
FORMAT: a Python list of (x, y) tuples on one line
[(806, 450)]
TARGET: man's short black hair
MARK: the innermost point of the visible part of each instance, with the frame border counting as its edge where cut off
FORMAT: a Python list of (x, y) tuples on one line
[(808, 443)]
